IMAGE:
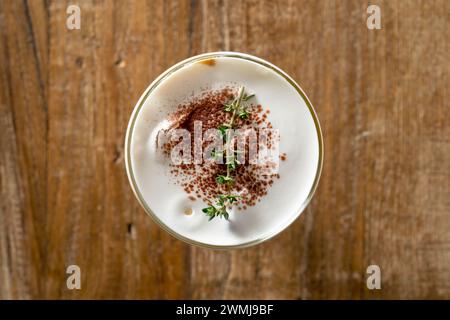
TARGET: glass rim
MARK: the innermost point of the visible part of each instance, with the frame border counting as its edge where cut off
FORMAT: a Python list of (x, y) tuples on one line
[(162, 77)]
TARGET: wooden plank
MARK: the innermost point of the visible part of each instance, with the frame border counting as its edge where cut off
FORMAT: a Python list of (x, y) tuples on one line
[(96, 221), (381, 95), (23, 164)]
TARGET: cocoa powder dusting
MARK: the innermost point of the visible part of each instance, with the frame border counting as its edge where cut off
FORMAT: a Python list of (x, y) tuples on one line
[(252, 181)]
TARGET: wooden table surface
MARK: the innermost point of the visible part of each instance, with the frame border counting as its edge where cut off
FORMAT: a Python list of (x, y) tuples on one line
[(382, 97)]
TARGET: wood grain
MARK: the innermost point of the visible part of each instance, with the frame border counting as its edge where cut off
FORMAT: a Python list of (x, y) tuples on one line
[(381, 96)]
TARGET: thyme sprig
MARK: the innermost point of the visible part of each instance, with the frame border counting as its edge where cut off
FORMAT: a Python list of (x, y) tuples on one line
[(220, 209), (238, 109)]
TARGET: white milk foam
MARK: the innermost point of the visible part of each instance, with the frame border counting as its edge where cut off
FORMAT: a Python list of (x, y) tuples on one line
[(299, 139)]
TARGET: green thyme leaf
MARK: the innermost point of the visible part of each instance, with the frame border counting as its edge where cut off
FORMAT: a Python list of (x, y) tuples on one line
[(221, 179), (232, 198), (232, 165), (244, 114), (223, 129), (228, 107), (246, 97)]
